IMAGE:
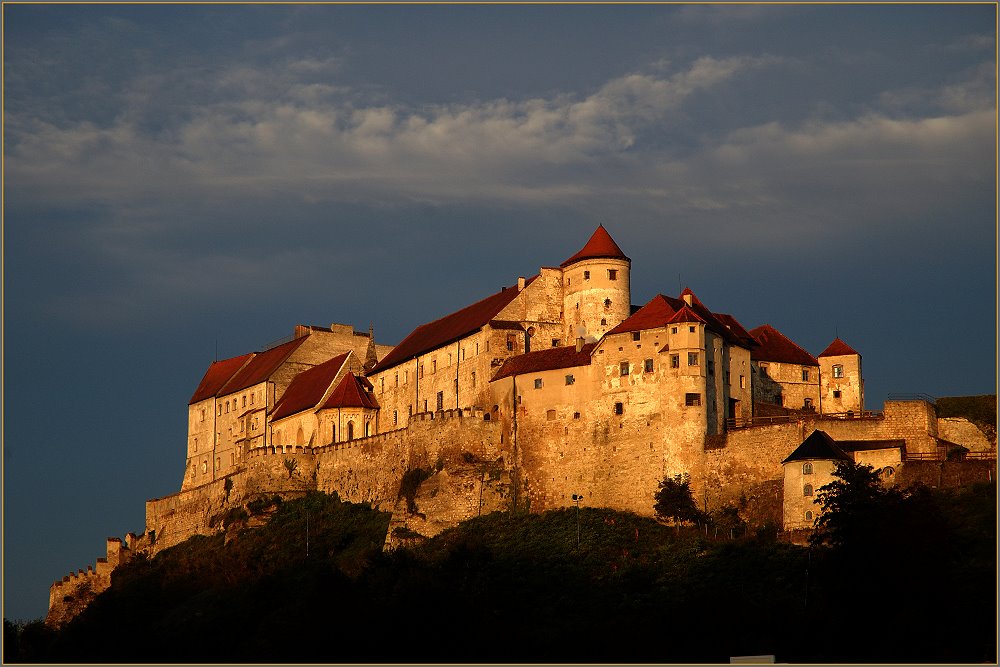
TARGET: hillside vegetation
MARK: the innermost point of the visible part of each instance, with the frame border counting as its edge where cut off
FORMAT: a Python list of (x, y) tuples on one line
[(517, 588)]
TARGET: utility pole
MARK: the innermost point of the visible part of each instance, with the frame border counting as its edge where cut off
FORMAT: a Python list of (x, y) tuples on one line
[(576, 499)]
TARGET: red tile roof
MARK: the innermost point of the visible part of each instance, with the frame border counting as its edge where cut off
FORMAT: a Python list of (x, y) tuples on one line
[(449, 328), (685, 314), (545, 360), (660, 309), (216, 376), (656, 313), (351, 393), (600, 245), (775, 346), (261, 366), (306, 389), (838, 348)]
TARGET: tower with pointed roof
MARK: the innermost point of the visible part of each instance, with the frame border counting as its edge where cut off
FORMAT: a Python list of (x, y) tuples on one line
[(596, 292), (842, 386)]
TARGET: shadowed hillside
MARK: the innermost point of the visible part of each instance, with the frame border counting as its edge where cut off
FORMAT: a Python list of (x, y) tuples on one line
[(517, 588)]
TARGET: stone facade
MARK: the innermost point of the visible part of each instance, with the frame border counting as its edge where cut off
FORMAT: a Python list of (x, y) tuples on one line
[(552, 387)]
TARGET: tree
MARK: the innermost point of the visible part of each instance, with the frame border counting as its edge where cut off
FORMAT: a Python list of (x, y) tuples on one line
[(674, 499), (854, 506), (290, 466)]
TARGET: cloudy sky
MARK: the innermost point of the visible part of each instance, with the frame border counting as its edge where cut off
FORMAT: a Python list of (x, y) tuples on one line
[(189, 181)]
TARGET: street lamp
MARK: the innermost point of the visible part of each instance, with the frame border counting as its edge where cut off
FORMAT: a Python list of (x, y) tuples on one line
[(576, 499)]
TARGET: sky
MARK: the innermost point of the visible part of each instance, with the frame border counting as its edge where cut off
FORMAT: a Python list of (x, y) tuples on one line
[(185, 183)]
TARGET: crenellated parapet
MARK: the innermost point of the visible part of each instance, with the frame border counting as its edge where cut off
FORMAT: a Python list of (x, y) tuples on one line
[(71, 594)]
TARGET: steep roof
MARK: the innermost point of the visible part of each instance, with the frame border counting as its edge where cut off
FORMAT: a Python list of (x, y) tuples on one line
[(261, 366), (600, 246), (656, 313), (351, 393), (818, 445), (772, 345), (449, 328), (216, 376), (545, 360), (837, 348), (306, 389), (660, 309), (685, 314)]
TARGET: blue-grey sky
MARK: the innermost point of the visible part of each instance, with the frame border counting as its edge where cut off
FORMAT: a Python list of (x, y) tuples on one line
[(186, 179)]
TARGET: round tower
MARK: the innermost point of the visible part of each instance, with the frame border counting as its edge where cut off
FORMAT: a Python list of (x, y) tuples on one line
[(596, 293)]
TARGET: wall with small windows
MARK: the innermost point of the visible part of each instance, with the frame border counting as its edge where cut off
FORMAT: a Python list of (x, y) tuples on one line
[(596, 297), (793, 386), (802, 482), (842, 385)]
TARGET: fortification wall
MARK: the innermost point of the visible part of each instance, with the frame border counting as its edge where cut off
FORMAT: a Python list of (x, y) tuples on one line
[(750, 456), (71, 594), (913, 421)]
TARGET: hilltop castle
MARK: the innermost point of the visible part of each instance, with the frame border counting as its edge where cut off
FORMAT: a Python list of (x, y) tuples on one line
[(554, 387)]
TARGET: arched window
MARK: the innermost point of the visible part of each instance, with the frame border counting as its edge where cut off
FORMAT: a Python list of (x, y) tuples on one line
[(350, 430), (300, 437), (807, 490), (809, 516), (807, 468), (368, 429)]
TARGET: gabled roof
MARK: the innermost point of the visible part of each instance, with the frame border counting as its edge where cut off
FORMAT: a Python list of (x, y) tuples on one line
[(838, 348), (600, 246), (261, 366), (216, 376), (685, 314), (545, 360), (660, 309), (306, 389), (819, 445), (351, 393), (656, 313), (772, 345), (449, 328)]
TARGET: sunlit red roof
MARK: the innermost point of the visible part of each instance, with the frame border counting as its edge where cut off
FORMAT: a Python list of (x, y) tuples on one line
[(600, 245), (685, 314), (545, 360), (306, 389), (772, 345), (261, 366), (449, 328), (837, 348), (656, 313), (818, 445), (352, 392), (216, 376)]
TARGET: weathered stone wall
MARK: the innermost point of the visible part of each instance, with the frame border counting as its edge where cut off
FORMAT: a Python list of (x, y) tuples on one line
[(963, 432), (750, 456), (594, 304), (850, 385), (70, 595)]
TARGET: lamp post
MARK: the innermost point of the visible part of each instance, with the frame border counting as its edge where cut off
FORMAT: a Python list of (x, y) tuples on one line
[(576, 499)]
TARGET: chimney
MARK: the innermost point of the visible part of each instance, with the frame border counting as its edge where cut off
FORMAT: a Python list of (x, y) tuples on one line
[(579, 343), (520, 283), (688, 298)]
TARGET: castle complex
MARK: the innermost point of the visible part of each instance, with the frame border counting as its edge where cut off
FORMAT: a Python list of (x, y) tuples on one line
[(554, 387)]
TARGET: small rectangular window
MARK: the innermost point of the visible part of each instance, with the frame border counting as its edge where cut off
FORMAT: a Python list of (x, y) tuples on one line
[(394, 418), (743, 382), (836, 393), (396, 377), (586, 275), (244, 400), (434, 366), (838, 371), (636, 335), (623, 368), (421, 370), (555, 342), (570, 379), (440, 400), (538, 383), (647, 366), (473, 378), (675, 361), (576, 415), (691, 328), (612, 274), (619, 408), (550, 415), (406, 376), (692, 358), (673, 329), (805, 375), (692, 399)]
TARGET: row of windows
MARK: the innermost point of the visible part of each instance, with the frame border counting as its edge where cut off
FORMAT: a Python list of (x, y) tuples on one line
[(612, 275), (838, 371), (234, 404)]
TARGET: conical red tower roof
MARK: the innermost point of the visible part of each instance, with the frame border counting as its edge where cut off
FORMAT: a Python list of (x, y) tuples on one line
[(838, 348), (600, 245)]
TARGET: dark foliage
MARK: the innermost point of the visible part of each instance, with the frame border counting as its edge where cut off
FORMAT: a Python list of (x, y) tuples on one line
[(675, 501), (412, 479), (513, 588)]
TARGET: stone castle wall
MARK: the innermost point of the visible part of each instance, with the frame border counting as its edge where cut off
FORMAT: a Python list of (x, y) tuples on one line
[(71, 594)]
